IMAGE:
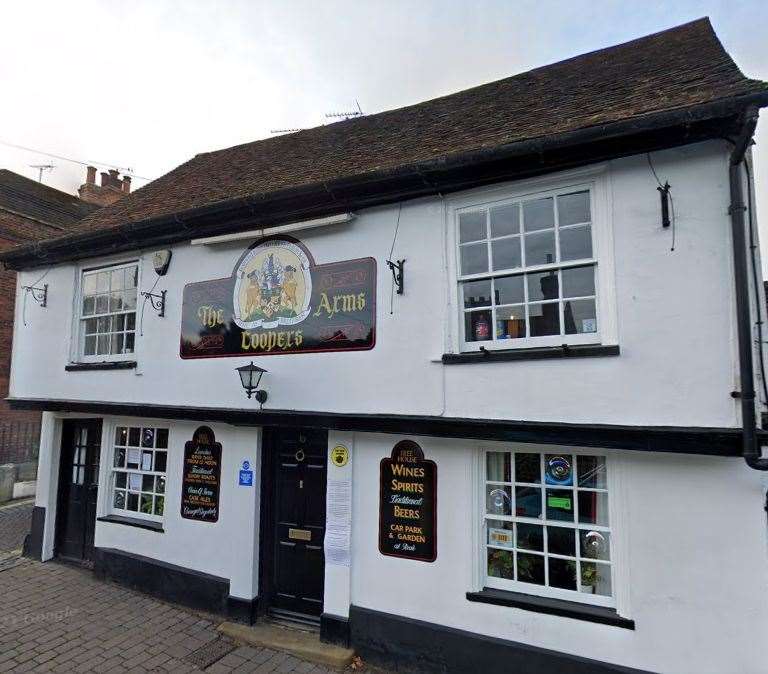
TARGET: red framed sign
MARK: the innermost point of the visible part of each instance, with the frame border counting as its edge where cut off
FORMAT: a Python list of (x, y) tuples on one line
[(277, 300)]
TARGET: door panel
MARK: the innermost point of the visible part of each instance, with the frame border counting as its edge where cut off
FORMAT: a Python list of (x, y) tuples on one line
[(299, 479), (78, 488)]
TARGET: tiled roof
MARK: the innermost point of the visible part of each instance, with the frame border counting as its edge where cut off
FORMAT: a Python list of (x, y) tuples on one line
[(40, 202), (680, 67)]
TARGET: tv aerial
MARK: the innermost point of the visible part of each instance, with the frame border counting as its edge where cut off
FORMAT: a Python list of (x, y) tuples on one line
[(42, 168)]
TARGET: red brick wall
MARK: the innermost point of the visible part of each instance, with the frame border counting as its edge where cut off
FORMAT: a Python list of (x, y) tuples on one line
[(19, 431)]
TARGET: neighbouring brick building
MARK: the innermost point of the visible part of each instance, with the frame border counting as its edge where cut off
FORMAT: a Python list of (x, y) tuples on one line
[(31, 211)]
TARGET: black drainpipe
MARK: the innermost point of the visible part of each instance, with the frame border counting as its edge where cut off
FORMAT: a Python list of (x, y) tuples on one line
[(750, 447)]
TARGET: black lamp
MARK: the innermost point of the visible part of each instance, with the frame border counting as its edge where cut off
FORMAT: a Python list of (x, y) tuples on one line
[(250, 376)]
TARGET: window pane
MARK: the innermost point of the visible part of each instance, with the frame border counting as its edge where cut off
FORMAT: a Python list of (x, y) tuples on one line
[(580, 316), (129, 340), (146, 503), (558, 470), (527, 502), (538, 214), (104, 324), (527, 468), (148, 437), (159, 505), (561, 541), (129, 299), (89, 284), (593, 508), (472, 226), (116, 302), (544, 319), (498, 468), (89, 306), (120, 480), (501, 564), (474, 258), (530, 568), (477, 326), (477, 293), (133, 458), (91, 326), (501, 533), (160, 462), (592, 471), (130, 321), (134, 434), (573, 208), (102, 281), (530, 536), (509, 290), (121, 435), (119, 458), (89, 349), (117, 343), (119, 501), (102, 345), (131, 277), (560, 504), (543, 286), (132, 502), (595, 544), (506, 254), (160, 484), (117, 280), (498, 500), (505, 220), (102, 304), (579, 282), (162, 438), (562, 573), (539, 248), (576, 243), (595, 579), (118, 323), (510, 322), (148, 483)]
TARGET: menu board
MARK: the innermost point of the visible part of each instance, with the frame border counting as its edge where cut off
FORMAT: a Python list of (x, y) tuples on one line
[(408, 504), (201, 480)]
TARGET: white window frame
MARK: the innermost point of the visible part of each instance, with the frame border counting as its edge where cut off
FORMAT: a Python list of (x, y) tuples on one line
[(78, 350), (594, 178), (110, 472), (617, 520)]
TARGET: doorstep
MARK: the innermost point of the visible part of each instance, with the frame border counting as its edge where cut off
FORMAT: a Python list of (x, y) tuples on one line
[(303, 644)]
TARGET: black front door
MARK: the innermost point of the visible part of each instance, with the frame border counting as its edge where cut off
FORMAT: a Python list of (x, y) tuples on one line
[(297, 567), (78, 488)]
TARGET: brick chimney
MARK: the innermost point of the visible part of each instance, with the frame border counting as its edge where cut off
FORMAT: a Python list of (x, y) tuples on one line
[(111, 189)]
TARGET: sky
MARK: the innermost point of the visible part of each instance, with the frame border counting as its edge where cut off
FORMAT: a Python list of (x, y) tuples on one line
[(145, 85)]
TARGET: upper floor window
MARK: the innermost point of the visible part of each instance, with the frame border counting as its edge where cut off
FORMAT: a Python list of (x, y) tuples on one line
[(108, 312), (527, 271)]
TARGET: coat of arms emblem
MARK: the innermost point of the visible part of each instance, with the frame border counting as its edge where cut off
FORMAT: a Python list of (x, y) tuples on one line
[(273, 286)]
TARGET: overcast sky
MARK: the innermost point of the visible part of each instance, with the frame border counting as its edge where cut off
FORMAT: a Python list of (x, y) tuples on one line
[(147, 85)]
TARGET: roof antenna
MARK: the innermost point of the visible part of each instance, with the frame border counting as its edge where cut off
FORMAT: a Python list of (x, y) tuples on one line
[(40, 168), (349, 113), (276, 131)]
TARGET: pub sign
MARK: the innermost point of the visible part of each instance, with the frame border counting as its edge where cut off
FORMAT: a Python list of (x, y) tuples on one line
[(201, 480), (408, 504), (277, 300)]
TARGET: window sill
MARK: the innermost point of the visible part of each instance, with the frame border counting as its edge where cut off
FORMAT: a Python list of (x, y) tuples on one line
[(537, 353), (133, 522), (559, 607), (104, 365)]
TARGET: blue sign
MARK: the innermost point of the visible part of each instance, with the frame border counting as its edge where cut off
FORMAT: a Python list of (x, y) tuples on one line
[(246, 478)]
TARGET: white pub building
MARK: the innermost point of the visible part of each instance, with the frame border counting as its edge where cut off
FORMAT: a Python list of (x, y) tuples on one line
[(472, 385)]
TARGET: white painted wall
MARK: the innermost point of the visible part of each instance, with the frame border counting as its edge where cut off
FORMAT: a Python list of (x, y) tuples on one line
[(693, 538), (674, 311)]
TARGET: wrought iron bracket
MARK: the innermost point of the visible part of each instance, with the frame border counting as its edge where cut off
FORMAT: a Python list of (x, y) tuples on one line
[(40, 295), (157, 300), (398, 274)]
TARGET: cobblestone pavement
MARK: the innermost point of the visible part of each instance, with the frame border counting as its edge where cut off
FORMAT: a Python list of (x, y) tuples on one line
[(15, 520), (59, 618)]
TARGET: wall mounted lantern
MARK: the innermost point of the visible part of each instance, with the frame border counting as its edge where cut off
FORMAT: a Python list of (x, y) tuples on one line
[(39, 294), (250, 376)]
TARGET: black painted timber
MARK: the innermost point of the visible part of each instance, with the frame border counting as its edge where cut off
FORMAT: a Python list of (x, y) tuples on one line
[(540, 353), (33, 543), (671, 439), (106, 365)]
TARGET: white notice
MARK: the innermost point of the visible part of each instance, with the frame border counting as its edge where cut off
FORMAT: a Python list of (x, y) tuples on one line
[(338, 523)]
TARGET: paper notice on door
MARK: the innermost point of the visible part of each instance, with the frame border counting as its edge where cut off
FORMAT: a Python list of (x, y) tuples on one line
[(338, 525)]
